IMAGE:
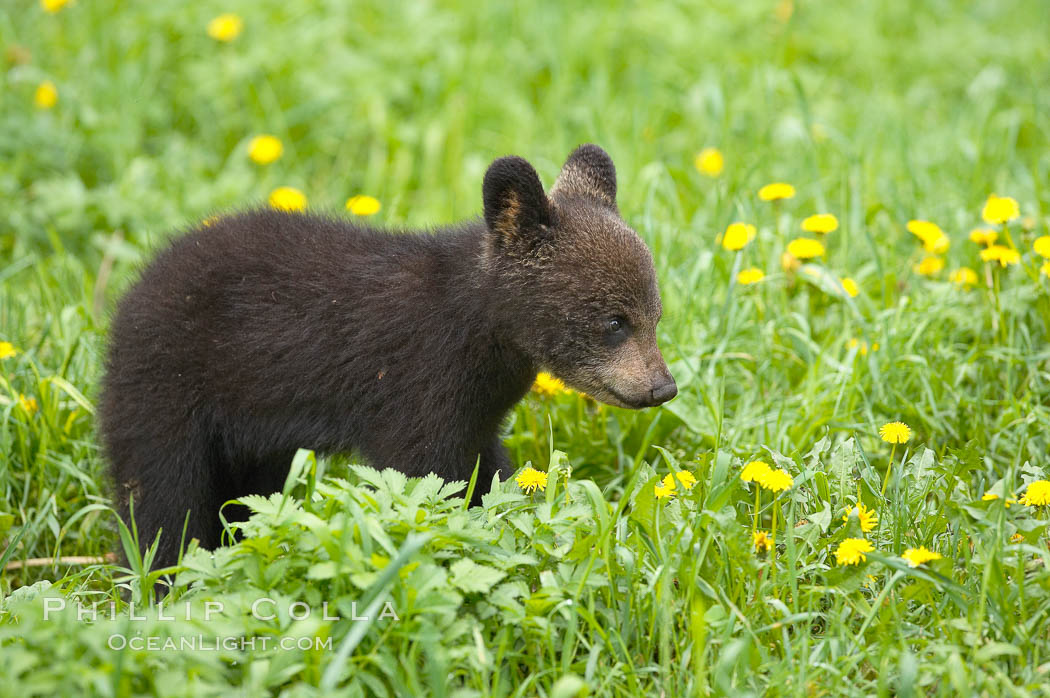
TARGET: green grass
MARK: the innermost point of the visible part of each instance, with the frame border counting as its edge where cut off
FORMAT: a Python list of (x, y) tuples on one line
[(878, 111)]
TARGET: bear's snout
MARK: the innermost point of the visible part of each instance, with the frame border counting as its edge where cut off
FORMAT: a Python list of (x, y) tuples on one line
[(663, 392), (639, 379)]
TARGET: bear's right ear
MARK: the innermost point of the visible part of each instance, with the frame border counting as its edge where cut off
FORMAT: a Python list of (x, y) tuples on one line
[(517, 210), (588, 172)]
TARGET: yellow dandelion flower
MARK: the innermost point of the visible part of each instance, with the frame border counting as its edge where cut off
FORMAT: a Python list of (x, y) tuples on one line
[(992, 496), (789, 262), (930, 266), (933, 238), (776, 191), (687, 479), (225, 27), (287, 199), (851, 551), (776, 480), (1000, 209), (861, 347), (52, 6), (868, 517), (1017, 538), (210, 221), (363, 205), (849, 286), (665, 489), (805, 248), (761, 540), (265, 149), (938, 245), (46, 95), (984, 236), (821, 223), (755, 471), (1045, 269), (7, 350), (530, 479), (1037, 494), (1000, 253), (546, 384), (919, 556), (28, 404), (963, 276), (710, 162), (895, 432), (924, 230), (737, 235), (1042, 246), (751, 275)]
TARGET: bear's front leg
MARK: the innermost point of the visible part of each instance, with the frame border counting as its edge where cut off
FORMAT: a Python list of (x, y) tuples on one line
[(494, 461)]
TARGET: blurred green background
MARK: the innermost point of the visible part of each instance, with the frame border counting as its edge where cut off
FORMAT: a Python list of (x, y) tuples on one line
[(878, 111), (887, 101)]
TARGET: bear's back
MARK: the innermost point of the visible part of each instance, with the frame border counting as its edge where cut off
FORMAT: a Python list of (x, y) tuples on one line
[(266, 308)]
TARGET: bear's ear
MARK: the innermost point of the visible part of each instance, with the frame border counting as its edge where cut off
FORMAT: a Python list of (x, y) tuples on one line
[(517, 210), (589, 172)]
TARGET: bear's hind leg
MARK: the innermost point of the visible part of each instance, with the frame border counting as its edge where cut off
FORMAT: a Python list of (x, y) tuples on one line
[(163, 484)]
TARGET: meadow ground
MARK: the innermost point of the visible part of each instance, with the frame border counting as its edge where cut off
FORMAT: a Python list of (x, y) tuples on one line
[(647, 565)]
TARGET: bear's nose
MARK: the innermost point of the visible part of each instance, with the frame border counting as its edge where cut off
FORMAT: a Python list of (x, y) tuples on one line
[(663, 393)]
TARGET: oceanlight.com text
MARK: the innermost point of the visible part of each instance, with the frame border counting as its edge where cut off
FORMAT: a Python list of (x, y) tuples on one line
[(216, 643)]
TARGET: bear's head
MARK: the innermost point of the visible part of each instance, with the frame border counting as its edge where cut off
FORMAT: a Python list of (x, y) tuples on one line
[(574, 286)]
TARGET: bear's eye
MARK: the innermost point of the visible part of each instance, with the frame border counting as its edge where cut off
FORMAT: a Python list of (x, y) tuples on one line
[(616, 330)]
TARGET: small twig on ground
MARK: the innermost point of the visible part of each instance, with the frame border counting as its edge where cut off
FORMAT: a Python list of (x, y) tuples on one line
[(69, 560)]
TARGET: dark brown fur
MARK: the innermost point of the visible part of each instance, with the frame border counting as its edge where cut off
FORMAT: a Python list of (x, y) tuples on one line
[(268, 331)]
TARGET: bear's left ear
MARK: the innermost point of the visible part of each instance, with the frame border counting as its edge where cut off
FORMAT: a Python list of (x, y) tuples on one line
[(517, 209), (589, 172)]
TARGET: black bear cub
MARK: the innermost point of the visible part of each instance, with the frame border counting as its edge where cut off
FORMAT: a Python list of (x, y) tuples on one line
[(268, 331)]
